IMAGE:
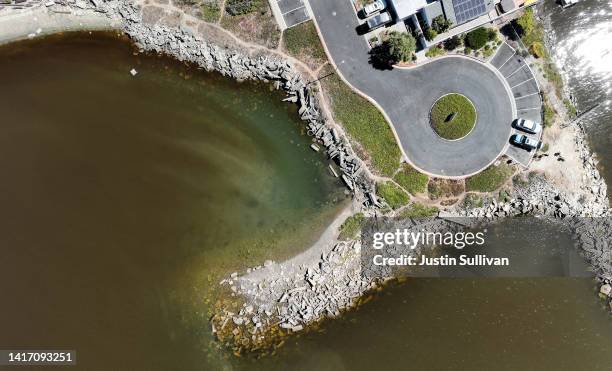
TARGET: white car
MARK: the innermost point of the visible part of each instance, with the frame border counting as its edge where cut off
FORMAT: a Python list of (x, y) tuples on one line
[(528, 126), (374, 7), (525, 142), (378, 21)]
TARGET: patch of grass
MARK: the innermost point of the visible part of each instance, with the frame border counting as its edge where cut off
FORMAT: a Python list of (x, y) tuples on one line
[(363, 123), (411, 180), (472, 200), (392, 194), (418, 210), (211, 12), (444, 188), (302, 41), (569, 106), (489, 179), (552, 74), (252, 22), (453, 116), (350, 227), (549, 113)]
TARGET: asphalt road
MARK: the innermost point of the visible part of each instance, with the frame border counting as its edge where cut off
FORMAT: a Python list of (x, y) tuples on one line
[(407, 95)]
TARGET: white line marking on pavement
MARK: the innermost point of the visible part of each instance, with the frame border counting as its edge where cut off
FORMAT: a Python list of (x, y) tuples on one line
[(525, 96), (519, 84)]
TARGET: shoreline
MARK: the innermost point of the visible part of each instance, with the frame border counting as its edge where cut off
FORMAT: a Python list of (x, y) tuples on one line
[(328, 273)]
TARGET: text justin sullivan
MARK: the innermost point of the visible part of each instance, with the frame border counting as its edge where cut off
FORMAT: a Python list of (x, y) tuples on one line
[(463, 260)]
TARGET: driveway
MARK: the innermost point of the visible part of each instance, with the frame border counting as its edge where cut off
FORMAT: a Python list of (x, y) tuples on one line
[(406, 95)]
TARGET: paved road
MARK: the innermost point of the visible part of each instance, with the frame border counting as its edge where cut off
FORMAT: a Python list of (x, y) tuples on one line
[(407, 96)]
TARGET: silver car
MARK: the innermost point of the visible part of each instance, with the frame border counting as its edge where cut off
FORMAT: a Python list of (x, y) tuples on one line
[(379, 20), (374, 7), (528, 126), (525, 142)]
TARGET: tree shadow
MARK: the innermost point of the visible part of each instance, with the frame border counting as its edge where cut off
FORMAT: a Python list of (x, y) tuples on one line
[(380, 59)]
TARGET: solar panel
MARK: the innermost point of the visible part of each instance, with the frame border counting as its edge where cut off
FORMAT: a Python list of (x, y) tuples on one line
[(466, 10)]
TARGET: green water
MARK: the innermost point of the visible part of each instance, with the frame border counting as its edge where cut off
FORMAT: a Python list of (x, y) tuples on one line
[(125, 199)]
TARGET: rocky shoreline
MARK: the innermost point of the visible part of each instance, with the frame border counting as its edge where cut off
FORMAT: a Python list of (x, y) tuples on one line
[(284, 298)]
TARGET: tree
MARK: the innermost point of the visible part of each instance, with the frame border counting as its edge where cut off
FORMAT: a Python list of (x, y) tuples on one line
[(441, 24), (477, 39), (401, 46)]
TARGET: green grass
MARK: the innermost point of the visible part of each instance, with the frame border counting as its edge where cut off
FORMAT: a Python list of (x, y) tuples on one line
[(549, 113), (350, 227), (571, 110), (464, 116), (211, 12), (417, 210), (490, 179), (472, 200), (411, 180), (363, 123), (303, 41), (392, 194)]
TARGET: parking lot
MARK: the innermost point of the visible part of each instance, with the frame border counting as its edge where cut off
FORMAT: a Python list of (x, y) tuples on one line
[(525, 91), (294, 12)]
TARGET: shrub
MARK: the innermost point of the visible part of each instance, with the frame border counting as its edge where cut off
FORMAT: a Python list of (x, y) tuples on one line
[(430, 34), (392, 194), (492, 34), (441, 24), (411, 180), (537, 50), (526, 23), (444, 188), (453, 43), (477, 39), (401, 46), (434, 52), (240, 7)]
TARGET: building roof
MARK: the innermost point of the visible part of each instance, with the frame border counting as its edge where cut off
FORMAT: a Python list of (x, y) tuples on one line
[(508, 5), (405, 8), (432, 10), (466, 10)]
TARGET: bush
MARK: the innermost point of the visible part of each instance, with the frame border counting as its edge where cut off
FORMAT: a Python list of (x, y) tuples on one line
[(526, 23), (477, 39), (351, 226), (411, 180), (392, 194), (537, 50), (240, 7), (492, 34), (430, 34), (444, 188), (441, 24), (434, 51), (401, 46), (453, 43)]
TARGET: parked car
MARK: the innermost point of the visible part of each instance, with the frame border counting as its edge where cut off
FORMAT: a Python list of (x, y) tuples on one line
[(378, 21), (528, 126), (524, 141), (372, 8)]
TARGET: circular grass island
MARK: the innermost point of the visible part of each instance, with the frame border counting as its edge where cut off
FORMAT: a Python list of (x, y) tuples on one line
[(453, 116)]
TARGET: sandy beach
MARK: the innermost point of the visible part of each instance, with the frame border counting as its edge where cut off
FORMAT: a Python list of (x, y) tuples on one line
[(39, 21)]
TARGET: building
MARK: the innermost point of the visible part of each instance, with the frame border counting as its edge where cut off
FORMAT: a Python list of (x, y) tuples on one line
[(456, 11)]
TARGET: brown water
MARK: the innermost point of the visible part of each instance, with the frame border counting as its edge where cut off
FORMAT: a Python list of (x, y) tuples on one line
[(123, 199)]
